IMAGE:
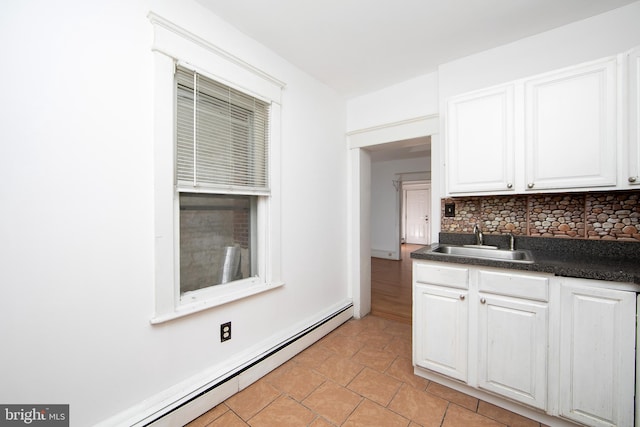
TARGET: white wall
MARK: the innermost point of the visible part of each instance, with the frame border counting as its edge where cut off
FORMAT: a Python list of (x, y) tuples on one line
[(592, 38), (368, 119), (413, 98), (385, 208), (596, 37), (76, 228)]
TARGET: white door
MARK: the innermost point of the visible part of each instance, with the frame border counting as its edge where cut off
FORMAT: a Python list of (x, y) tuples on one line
[(512, 335), (441, 318), (570, 119), (634, 117), (597, 354), (480, 141), (417, 208)]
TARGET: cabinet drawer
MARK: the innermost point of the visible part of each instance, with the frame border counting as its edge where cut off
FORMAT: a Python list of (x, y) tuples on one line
[(438, 274), (514, 285)]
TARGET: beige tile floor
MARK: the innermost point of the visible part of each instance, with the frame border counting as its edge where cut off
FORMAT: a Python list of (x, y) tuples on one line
[(358, 375)]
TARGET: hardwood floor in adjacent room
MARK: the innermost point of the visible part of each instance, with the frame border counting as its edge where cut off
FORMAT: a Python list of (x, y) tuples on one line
[(391, 286)]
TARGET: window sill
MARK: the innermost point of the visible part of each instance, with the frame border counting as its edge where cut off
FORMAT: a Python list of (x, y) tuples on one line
[(198, 306)]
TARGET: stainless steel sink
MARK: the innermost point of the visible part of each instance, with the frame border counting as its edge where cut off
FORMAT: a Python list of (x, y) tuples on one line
[(489, 252)]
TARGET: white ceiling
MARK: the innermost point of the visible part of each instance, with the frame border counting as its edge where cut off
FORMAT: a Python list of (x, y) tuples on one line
[(358, 46)]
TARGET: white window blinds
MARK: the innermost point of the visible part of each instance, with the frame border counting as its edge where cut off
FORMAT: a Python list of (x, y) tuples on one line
[(222, 137)]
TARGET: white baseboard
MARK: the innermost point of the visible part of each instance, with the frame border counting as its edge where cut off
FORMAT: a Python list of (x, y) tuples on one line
[(187, 401), (193, 409), (386, 254)]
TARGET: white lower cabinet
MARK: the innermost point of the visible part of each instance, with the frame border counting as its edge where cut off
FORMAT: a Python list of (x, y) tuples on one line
[(597, 354), (561, 347), (512, 312), (442, 345), (512, 357)]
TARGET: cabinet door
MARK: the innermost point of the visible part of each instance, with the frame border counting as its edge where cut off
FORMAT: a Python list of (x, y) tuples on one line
[(634, 116), (512, 339), (570, 127), (440, 330), (480, 141), (597, 355)]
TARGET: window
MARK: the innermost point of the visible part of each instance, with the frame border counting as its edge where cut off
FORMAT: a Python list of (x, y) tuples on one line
[(217, 239), (222, 183), (217, 143)]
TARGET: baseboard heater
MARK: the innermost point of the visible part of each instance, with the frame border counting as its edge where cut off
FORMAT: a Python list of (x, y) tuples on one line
[(181, 412)]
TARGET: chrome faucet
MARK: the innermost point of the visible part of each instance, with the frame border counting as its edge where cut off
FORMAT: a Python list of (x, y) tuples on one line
[(479, 235), (512, 242)]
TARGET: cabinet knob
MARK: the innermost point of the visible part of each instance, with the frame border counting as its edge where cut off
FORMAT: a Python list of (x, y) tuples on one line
[(483, 301), (509, 185), (530, 185), (461, 297), (632, 178)]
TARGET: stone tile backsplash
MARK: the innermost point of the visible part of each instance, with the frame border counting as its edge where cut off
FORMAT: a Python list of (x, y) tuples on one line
[(557, 216), (611, 215)]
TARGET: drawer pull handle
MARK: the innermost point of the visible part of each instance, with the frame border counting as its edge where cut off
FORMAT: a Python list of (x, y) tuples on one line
[(461, 297), (483, 301), (530, 185), (509, 185), (632, 179)]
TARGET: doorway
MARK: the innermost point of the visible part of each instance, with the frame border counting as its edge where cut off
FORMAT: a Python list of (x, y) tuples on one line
[(416, 210), (360, 143)]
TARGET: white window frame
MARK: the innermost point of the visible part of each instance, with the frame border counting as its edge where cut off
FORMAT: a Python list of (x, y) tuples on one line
[(174, 44)]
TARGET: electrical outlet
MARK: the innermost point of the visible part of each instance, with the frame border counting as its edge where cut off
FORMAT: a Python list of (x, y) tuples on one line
[(225, 332), (449, 210)]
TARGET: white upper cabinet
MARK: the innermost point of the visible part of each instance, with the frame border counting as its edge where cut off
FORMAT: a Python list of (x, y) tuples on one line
[(634, 116), (555, 131), (480, 142), (570, 127)]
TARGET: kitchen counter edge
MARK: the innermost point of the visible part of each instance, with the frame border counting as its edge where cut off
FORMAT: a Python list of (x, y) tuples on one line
[(565, 264)]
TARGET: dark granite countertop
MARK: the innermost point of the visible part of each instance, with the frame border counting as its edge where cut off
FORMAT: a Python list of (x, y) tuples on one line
[(586, 259)]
